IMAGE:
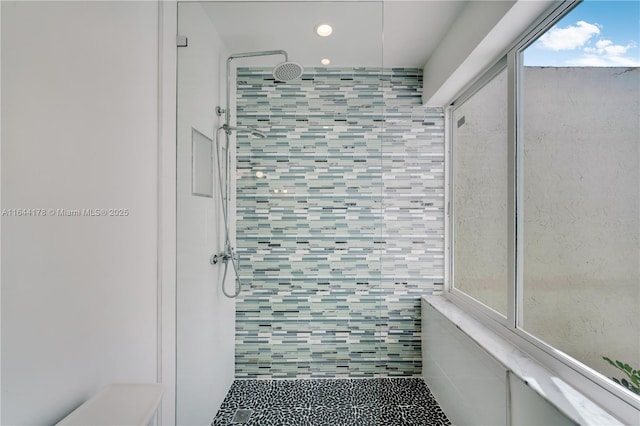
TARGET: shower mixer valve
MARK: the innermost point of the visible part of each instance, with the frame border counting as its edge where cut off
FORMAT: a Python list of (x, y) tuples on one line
[(224, 257)]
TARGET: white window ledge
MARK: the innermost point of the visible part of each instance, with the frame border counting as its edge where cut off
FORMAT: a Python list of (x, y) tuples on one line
[(566, 399)]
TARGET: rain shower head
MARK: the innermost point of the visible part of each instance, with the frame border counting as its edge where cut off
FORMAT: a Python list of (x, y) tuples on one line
[(287, 71), (254, 132), (284, 71)]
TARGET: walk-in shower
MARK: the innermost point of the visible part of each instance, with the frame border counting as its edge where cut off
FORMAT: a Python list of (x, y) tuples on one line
[(334, 219), (284, 71)]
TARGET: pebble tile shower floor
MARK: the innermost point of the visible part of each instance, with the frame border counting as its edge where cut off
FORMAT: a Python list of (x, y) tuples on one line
[(332, 402)]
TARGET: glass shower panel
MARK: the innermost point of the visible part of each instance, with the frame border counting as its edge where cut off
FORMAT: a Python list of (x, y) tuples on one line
[(309, 196), (412, 232), (305, 201), (205, 332), (336, 215)]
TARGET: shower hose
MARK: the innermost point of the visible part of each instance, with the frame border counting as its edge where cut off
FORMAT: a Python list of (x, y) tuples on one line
[(228, 254)]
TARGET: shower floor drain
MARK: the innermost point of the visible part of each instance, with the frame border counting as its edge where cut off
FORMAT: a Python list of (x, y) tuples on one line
[(242, 415)]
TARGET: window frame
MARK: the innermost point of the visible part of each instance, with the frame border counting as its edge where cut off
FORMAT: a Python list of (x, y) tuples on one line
[(459, 296), (596, 386)]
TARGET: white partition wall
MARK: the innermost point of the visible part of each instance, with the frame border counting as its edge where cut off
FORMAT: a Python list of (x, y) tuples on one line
[(79, 131)]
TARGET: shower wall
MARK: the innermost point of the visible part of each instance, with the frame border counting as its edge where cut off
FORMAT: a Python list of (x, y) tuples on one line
[(340, 222)]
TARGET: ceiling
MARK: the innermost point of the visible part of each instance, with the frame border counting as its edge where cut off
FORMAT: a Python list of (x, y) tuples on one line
[(365, 33)]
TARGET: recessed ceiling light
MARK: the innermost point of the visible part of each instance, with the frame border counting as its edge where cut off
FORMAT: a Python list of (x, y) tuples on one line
[(325, 61), (324, 30)]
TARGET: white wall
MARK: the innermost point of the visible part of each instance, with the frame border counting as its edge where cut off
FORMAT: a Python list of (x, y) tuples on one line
[(478, 38), (167, 207), (206, 318), (0, 219), (80, 130)]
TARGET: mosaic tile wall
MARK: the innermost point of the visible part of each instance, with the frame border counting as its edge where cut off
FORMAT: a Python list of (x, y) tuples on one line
[(340, 222)]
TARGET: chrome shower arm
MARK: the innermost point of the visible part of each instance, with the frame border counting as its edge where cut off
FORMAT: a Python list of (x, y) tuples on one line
[(227, 112), (260, 53)]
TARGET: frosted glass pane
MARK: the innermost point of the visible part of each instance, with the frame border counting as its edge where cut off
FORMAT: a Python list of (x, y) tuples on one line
[(480, 231)]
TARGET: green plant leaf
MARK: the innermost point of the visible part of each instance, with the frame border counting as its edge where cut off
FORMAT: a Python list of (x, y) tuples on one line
[(632, 374)]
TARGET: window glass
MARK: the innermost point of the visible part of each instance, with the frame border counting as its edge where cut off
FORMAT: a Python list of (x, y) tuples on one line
[(480, 230), (580, 186)]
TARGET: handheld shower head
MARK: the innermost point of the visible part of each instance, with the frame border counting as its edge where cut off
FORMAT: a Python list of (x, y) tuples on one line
[(287, 71), (254, 132)]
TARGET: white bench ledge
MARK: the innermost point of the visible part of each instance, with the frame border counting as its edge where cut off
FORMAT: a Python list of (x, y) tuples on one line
[(553, 389), (118, 404)]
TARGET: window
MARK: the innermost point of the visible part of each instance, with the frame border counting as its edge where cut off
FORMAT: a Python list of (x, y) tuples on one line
[(479, 196), (545, 193), (580, 187)]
